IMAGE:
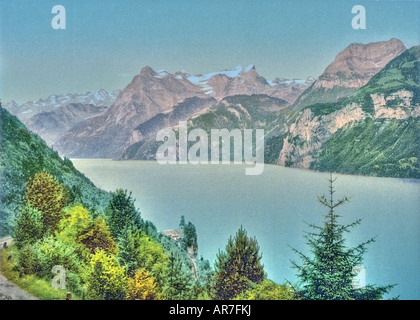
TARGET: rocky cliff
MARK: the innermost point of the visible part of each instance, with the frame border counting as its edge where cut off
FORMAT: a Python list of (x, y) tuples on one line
[(391, 97)]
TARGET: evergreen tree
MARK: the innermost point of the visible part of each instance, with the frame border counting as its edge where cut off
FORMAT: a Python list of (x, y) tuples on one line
[(238, 267), (190, 238), (178, 280), (29, 226), (182, 222), (122, 213), (329, 274), (138, 251), (127, 254)]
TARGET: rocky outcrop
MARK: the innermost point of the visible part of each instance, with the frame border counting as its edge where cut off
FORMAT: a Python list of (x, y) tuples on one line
[(309, 132)]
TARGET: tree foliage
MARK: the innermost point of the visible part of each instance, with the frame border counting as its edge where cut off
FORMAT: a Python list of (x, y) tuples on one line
[(142, 287), (329, 274), (97, 236), (29, 226), (267, 290), (76, 219), (47, 195), (122, 213), (237, 267), (138, 251), (178, 280), (104, 277)]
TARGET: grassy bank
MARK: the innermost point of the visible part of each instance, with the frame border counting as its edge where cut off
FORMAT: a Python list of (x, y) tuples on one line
[(38, 287)]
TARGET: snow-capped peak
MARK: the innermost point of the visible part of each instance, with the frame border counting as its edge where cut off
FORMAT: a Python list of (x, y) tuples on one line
[(249, 68)]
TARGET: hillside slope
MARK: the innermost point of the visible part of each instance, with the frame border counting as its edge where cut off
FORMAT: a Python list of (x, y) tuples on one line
[(23, 154)]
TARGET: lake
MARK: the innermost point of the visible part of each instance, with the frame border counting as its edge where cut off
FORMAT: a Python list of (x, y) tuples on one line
[(274, 207)]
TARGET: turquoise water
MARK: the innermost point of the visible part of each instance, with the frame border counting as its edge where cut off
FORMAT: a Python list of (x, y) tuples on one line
[(274, 207)]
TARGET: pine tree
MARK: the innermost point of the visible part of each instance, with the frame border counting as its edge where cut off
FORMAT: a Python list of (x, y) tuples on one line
[(190, 238), (329, 274), (29, 226), (122, 213), (127, 255), (178, 280), (182, 222), (238, 267)]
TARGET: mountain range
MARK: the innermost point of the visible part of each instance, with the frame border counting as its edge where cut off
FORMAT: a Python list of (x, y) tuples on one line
[(27, 110), (152, 101), (360, 116)]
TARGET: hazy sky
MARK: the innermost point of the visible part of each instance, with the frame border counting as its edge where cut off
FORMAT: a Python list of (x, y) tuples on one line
[(106, 43)]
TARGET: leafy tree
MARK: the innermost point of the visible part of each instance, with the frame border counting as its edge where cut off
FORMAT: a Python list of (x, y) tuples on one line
[(76, 220), (122, 213), (51, 252), (238, 267), (329, 274), (142, 287), (138, 251), (79, 230), (29, 226), (41, 256), (266, 290), (47, 195), (104, 278), (98, 236), (28, 261)]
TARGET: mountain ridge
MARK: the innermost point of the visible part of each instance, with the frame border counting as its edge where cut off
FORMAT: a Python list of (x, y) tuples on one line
[(391, 98), (351, 69), (151, 93)]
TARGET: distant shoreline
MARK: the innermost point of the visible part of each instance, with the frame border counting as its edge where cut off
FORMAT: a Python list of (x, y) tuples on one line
[(273, 165)]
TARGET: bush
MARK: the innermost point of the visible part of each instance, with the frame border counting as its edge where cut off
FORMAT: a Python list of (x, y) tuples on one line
[(141, 287), (28, 261), (266, 290)]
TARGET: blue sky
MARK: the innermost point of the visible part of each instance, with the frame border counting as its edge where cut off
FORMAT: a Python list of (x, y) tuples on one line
[(107, 42)]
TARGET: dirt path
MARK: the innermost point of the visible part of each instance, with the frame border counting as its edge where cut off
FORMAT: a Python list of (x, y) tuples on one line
[(9, 291), (194, 267)]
